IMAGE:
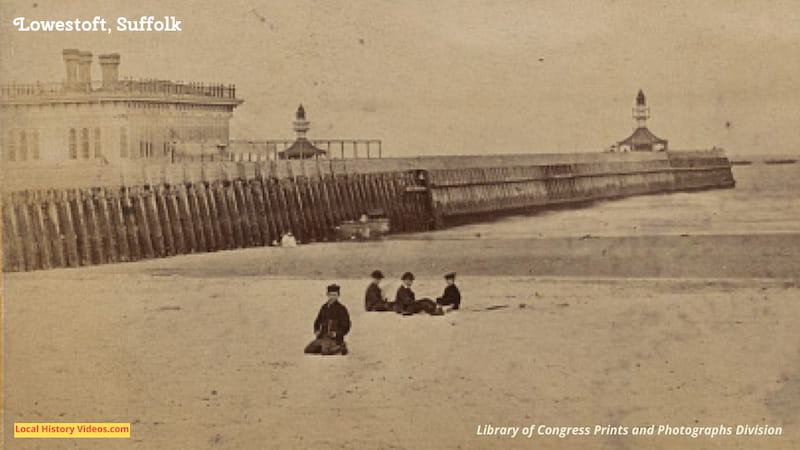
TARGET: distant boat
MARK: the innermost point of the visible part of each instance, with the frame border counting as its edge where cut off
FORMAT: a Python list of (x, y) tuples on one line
[(741, 162)]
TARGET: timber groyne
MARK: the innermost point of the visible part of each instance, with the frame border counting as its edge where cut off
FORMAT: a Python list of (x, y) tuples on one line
[(100, 215)]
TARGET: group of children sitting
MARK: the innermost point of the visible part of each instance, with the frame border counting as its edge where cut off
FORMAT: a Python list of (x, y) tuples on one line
[(405, 301), (333, 320)]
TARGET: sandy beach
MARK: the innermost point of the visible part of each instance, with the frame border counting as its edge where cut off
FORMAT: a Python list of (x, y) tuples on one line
[(204, 351)]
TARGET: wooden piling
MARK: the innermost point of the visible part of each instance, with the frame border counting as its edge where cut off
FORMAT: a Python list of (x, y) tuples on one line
[(131, 225), (206, 216), (226, 229), (107, 225), (40, 231), (142, 222), (235, 216), (160, 196), (271, 210), (150, 205), (174, 212), (243, 213), (120, 230), (195, 217), (79, 220), (70, 237), (190, 241)]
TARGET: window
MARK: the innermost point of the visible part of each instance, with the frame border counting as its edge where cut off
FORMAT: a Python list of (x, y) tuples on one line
[(73, 144), (98, 147), (12, 147), (23, 146), (35, 144), (123, 143), (84, 143)]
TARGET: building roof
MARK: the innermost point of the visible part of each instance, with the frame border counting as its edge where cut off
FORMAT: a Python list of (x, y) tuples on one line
[(301, 149), (642, 136)]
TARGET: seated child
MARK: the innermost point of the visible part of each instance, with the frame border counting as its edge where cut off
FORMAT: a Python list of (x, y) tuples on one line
[(451, 295), (405, 302)]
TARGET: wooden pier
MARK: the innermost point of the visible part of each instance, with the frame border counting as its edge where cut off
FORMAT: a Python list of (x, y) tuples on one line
[(251, 207)]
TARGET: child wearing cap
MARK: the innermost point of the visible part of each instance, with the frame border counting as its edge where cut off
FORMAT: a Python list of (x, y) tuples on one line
[(374, 299), (451, 295), (406, 303), (331, 326)]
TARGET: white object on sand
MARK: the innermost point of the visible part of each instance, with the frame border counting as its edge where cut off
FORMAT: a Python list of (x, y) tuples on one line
[(288, 241)]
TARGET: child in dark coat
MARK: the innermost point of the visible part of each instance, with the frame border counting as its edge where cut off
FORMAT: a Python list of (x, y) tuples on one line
[(331, 326), (406, 302), (451, 295)]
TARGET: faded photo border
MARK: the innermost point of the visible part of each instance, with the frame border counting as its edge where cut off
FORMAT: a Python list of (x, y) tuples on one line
[(194, 193)]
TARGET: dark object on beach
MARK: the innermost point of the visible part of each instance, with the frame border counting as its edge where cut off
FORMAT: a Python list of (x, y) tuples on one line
[(494, 307), (371, 226), (169, 308)]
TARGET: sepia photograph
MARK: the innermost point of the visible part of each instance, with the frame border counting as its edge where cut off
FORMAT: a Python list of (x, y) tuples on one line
[(329, 224)]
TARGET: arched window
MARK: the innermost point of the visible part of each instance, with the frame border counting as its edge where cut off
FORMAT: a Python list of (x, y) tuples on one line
[(85, 143), (73, 144), (98, 147), (23, 146), (11, 147), (35, 144)]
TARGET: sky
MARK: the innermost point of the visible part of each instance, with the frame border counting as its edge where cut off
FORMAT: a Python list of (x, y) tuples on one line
[(460, 77)]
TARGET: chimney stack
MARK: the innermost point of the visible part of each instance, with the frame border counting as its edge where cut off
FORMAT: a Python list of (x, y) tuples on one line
[(85, 69), (71, 63), (109, 64)]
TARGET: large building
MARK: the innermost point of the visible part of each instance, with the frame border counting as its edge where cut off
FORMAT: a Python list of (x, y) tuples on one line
[(111, 120)]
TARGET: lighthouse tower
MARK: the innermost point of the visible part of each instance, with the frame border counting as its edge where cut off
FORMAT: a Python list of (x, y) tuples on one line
[(301, 125), (642, 139), (641, 112), (302, 148)]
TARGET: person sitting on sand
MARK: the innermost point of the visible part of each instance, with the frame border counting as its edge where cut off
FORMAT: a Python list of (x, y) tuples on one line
[(331, 326), (451, 295), (374, 299), (405, 301)]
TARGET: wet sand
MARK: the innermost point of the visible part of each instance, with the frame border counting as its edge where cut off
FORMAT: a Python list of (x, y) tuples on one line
[(205, 351)]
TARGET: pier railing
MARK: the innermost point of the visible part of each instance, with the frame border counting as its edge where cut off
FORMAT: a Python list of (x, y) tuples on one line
[(269, 150), (147, 87)]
